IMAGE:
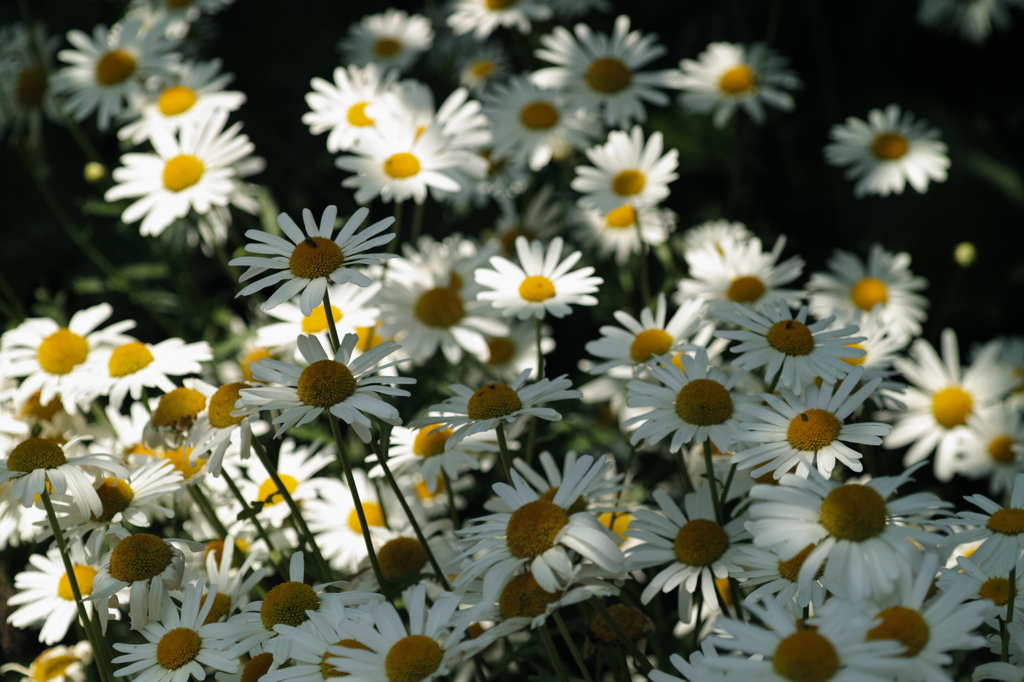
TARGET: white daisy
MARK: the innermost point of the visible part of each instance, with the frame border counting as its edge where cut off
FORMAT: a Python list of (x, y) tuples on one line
[(988, 583), (131, 367), (424, 451), (297, 467), (56, 664), (391, 39), (176, 15), (345, 106), (887, 151), (509, 355), (24, 81), (993, 447), (774, 576), (482, 17), (310, 642), (335, 521), (622, 231), (483, 66), (999, 526), (973, 20), (716, 234), (626, 170)]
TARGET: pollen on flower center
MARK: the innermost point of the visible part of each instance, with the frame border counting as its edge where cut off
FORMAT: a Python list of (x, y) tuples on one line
[(402, 165), (46, 668), (648, 343), (178, 408), (493, 401), (620, 218), (499, 4), (115, 67), (700, 542), (325, 383), (1000, 449), (632, 621), (737, 80), (539, 116), (805, 656), (139, 557), (31, 87), (401, 558), (430, 440), (1009, 521), (315, 257), (578, 505), (177, 647), (251, 357), (532, 528), (853, 512), (500, 350), (412, 659), (220, 607), (867, 292), (183, 171), (175, 100), (889, 147), (286, 604), (34, 408), (629, 182), (522, 597), (269, 494), (222, 404), (439, 307), (357, 117), (856, 362), (704, 402), (386, 47), (115, 494), (328, 670), (608, 75), (746, 289), (906, 626), (35, 453), (316, 322), (791, 337), (181, 459), (537, 288), (995, 589), (482, 69), (84, 576), (790, 568), (129, 359), (373, 513), (813, 429), (61, 351), (951, 406), (257, 667)]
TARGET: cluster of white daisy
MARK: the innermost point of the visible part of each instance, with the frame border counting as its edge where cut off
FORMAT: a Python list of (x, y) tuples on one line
[(375, 477)]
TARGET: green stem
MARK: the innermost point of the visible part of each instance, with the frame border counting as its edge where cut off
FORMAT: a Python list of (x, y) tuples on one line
[(1003, 629), (417, 223), (549, 646), (567, 636), (506, 462), (630, 645), (453, 513), (260, 530), (199, 497), (540, 353), (329, 312), (645, 287), (712, 482)]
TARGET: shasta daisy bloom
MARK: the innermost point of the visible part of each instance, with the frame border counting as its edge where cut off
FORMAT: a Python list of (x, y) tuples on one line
[(600, 71), (345, 107), (974, 21), (627, 170), (24, 81), (230, 583), (310, 641), (992, 447), (621, 232), (541, 284), (887, 151), (335, 521), (727, 76), (56, 664), (509, 355), (44, 595), (789, 347), (716, 234), (131, 367), (600, 497), (306, 262), (943, 396), (771, 576), (987, 583), (347, 388), (110, 67), (297, 467), (486, 65), (424, 450), (1001, 527), (391, 39), (482, 17)]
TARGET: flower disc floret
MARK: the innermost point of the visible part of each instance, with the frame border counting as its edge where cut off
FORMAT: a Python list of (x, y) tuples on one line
[(890, 147), (183, 171), (790, 568), (629, 182), (269, 494), (746, 289), (139, 557), (500, 350), (175, 100), (178, 408), (222, 404), (220, 607), (325, 383), (115, 67), (648, 343), (700, 542), (412, 659), (906, 626), (537, 288), (522, 597), (61, 351), (177, 647), (532, 528), (401, 558), (357, 117), (374, 517), (257, 667), (440, 307), (791, 337), (430, 440), (35, 453), (867, 292), (385, 47), (181, 459), (620, 218), (115, 494), (402, 165), (996, 590), (328, 670), (951, 406), (316, 321), (805, 656), (1000, 449), (737, 80), (608, 75), (46, 668), (84, 576), (631, 620), (286, 604), (704, 402), (493, 401), (853, 512), (580, 503), (499, 4), (129, 359), (813, 429), (1008, 521), (315, 257), (539, 116)]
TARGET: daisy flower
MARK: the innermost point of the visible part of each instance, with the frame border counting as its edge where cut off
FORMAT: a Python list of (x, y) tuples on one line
[(335, 521), (800, 431), (345, 106), (193, 171), (482, 17), (44, 595), (790, 348), (131, 367), (110, 67), (943, 396), (177, 16), (424, 451), (626, 170), (989, 584), (542, 218), (853, 287), (391, 39), (727, 76), (24, 82), (887, 151), (621, 232), (974, 21), (495, 404), (600, 71), (998, 526), (297, 467), (310, 642), (509, 355), (483, 66), (992, 447), (600, 498), (542, 283), (716, 234), (306, 262), (222, 427), (230, 583), (56, 664), (774, 576)]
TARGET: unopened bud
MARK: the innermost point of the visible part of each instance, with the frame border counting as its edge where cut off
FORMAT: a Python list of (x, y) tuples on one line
[(965, 254), (94, 171)]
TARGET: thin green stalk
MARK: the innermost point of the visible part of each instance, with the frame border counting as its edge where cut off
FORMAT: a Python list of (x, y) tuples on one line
[(549, 647), (417, 223), (453, 513), (630, 645), (576, 656), (506, 462), (540, 353), (642, 252), (1004, 653), (710, 467), (199, 497), (329, 312), (260, 530), (395, 243)]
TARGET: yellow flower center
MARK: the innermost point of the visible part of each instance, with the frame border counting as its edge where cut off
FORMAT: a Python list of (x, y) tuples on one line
[(386, 47), (813, 429), (737, 80), (219, 609), (402, 165), (746, 289), (315, 257), (499, 4), (522, 597), (316, 322), (995, 589), (631, 620), (222, 404), (34, 408), (115, 494), (853, 512), (1000, 449), (129, 359), (539, 116), (181, 459), (328, 670), (532, 528), (439, 307), (629, 182), (790, 568), (35, 453), (493, 401), (856, 362), (183, 171), (951, 406), (61, 351), (175, 100), (286, 604), (216, 548), (412, 659), (177, 647), (700, 542), (608, 75), (537, 288), (805, 656), (578, 505), (326, 383), (257, 667), (46, 668), (482, 69), (139, 557), (791, 337), (906, 626), (616, 523), (424, 493), (31, 87), (867, 292), (178, 408), (357, 117), (368, 338), (1008, 521), (500, 350), (269, 494), (649, 343), (253, 356), (430, 440), (620, 218), (703, 402), (178, 4), (373, 513), (401, 558), (115, 67), (84, 576), (889, 147)]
